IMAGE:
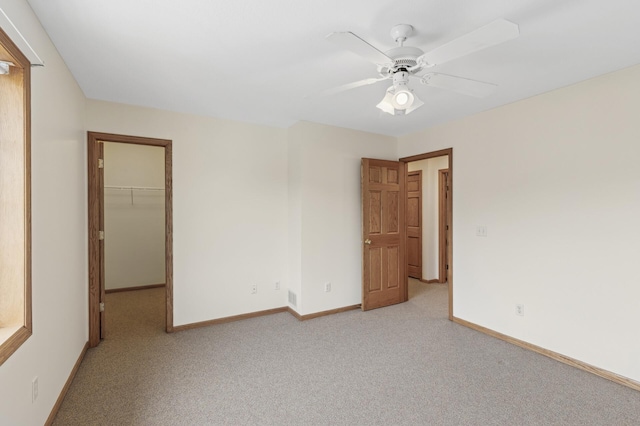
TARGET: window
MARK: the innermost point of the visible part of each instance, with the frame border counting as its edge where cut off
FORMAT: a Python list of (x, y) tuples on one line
[(15, 198)]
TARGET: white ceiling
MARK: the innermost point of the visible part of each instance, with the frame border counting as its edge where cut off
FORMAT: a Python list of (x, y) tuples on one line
[(258, 60)]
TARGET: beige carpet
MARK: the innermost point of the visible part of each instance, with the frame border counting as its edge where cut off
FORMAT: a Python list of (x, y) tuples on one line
[(401, 365)]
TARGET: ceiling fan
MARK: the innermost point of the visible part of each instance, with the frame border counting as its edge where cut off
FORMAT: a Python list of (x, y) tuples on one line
[(404, 62)]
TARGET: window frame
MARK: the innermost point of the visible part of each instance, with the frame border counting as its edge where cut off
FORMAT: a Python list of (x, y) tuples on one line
[(10, 344)]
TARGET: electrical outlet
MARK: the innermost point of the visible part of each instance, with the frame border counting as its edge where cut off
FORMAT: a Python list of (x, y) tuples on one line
[(277, 286), (327, 287), (481, 231), (254, 288), (34, 389), (520, 310)]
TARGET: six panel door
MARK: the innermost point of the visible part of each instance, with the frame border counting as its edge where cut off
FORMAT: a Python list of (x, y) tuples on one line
[(383, 235)]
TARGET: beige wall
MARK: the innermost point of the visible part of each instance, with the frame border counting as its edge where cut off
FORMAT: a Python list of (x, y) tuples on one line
[(325, 215), (240, 193), (59, 240), (555, 179), (229, 208)]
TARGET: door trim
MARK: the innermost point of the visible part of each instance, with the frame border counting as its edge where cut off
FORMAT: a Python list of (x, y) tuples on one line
[(433, 154), (419, 174), (443, 222), (95, 209)]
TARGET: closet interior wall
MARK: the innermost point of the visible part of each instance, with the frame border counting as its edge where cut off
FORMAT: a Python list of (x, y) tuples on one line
[(134, 215)]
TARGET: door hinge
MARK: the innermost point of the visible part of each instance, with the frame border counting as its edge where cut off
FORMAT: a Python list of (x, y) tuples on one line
[(100, 235), (101, 306), (100, 163), (447, 267)]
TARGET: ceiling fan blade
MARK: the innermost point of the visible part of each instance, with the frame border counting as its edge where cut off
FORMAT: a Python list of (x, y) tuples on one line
[(478, 89), (490, 35), (348, 86), (349, 41)]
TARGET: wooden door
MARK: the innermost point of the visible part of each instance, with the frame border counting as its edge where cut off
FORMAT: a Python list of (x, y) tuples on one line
[(414, 224), (383, 233)]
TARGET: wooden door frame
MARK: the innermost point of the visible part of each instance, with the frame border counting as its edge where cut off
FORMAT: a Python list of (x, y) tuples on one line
[(433, 154), (96, 209), (443, 180), (419, 173)]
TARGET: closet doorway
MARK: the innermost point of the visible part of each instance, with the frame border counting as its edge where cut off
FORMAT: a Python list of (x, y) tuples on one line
[(130, 222)]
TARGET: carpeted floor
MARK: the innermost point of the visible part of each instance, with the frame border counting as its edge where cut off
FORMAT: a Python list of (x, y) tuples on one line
[(401, 365)]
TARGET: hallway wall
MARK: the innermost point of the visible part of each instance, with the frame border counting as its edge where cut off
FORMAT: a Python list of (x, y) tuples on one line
[(430, 214)]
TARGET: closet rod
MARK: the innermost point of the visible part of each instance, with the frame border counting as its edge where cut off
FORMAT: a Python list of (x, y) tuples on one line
[(138, 188)]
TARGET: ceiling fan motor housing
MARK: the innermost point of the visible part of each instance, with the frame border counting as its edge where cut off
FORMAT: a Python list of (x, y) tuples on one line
[(404, 59), (401, 79)]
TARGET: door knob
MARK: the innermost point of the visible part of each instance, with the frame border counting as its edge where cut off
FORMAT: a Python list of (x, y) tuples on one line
[(367, 241)]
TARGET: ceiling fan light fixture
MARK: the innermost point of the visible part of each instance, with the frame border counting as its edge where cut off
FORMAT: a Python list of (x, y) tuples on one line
[(417, 103), (399, 100), (402, 98), (385, 104)]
